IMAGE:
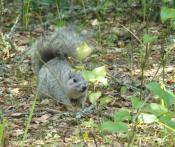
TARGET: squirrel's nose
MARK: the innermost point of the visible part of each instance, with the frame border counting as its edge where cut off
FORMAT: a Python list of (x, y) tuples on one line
[(84, 88)]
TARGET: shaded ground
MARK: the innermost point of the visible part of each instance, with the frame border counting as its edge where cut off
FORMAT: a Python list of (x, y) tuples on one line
[(117, 49)]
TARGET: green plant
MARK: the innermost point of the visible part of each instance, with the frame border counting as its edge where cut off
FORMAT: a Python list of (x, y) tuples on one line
[(3, 125), (29, 120), (156, 113), (95, 77), (26, 4), (168, 14), (148, 39), (117, 125), (146, 113)]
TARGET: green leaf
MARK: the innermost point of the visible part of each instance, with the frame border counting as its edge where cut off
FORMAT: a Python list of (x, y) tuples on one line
[(89, 124), (123, 90), (103, 80), (122, 115), (60, 23), (173, 24), (97, 75), (100, 71), (114, 126), (89, 75), (136, 103), (167, 121), (94, 96), (156, 109), (167, 13), (167, 96), (147, 38), (48, 2), (83, 51), (147, 118), (105, 100)]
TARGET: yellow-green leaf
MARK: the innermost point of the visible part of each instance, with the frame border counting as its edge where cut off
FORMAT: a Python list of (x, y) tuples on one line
[(94, 96), (83, 51), (100, 71)]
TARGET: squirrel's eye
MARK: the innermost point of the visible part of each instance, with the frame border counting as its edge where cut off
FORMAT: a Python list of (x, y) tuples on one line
[(74, 80)]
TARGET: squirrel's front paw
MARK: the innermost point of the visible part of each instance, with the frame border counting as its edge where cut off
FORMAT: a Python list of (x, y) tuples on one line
[(76, 103)]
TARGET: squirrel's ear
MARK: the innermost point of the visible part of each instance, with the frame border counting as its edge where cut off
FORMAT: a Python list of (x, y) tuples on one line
[(70, 74)]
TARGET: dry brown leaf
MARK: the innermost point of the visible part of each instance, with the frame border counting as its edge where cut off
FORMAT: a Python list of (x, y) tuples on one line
[(17, 132), (42, 119)]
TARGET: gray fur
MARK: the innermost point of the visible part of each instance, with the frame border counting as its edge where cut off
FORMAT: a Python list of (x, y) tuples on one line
[(56, 77), (62, 43), (58, 81)]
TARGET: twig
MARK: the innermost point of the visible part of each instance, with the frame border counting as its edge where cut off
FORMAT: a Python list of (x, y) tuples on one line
[(164, 58), (86, 111), (10, 34), (12, 30), (53, 111), (156, 71), (131, 33), (95, 141)]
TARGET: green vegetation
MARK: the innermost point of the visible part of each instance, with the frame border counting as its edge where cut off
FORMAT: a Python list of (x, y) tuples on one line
[(130, 71)]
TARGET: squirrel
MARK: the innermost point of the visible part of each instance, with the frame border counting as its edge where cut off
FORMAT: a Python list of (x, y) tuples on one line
[(56, 77)]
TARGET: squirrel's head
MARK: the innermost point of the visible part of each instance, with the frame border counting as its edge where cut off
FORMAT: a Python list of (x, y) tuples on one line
[(76, 85)]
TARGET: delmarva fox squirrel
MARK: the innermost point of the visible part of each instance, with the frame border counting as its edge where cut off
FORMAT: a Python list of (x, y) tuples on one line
[(56, 77)]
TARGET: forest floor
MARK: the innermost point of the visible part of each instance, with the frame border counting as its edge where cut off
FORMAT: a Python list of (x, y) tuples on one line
[(116, 48)]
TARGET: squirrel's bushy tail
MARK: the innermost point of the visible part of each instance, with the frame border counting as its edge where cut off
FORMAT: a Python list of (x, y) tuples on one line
[(61, 43)]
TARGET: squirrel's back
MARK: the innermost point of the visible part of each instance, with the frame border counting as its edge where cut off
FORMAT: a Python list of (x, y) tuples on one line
[(61, 43)]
